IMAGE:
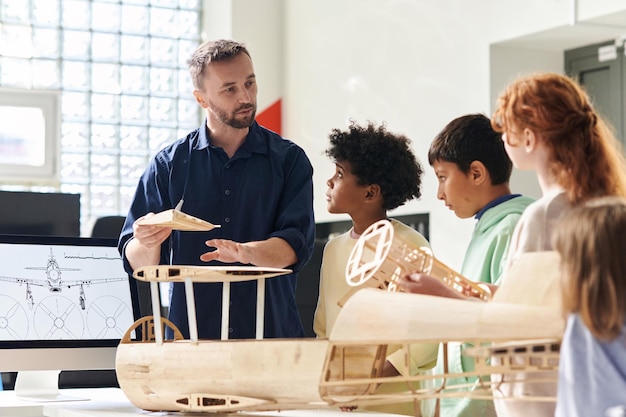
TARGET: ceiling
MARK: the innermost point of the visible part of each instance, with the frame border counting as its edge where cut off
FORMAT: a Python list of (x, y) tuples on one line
[(593, 31)]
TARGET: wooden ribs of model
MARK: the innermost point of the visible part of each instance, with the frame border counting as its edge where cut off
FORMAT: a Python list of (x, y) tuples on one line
[(524, 319), (383, 258), (178, 273)]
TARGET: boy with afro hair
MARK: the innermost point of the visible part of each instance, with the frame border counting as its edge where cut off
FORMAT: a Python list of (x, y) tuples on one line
[(375, 171)]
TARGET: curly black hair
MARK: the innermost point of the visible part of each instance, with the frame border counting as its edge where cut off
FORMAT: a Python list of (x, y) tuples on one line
[(379, 157)]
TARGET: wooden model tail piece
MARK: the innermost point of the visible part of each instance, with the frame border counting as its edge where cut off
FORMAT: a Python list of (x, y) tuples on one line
[(384, 258)]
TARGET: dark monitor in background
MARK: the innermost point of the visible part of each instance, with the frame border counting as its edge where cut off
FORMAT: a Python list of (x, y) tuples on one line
[(307, 290), (42, 214)]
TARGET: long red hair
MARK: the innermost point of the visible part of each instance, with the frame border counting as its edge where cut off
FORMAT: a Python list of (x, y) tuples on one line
[(586, 157)]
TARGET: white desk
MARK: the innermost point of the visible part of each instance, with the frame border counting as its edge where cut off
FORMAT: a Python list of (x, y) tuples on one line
[(94, 402), (111, 402)]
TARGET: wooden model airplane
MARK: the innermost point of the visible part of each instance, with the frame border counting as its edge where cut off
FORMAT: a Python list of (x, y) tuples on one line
[(178, 220), (380, 260), (191, 375)]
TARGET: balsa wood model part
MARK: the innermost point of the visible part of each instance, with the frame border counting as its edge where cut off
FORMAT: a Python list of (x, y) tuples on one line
[(178, 220), (522, 320)]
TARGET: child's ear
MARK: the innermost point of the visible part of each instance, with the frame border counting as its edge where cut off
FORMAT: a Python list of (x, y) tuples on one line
[(530, 140), (478, 172), (373, 191)]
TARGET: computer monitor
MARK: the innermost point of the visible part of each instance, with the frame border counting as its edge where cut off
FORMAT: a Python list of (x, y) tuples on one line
[(45, 214), (65, 303)]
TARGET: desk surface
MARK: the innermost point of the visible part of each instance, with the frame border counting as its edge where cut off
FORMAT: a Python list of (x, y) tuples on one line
[(111, 402)]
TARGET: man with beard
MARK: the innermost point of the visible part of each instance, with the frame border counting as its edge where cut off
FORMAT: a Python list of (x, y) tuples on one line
[(235, 173)]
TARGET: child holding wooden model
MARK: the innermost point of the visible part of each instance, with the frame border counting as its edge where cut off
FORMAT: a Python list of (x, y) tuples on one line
[(473, 173)]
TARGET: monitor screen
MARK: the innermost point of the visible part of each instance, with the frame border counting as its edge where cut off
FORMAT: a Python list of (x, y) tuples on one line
[(65, 303), (23, 213)]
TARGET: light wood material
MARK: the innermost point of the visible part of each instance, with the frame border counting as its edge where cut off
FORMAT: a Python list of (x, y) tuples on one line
[(178, 220), (225, 310), (379, 259), (192, 273), (525, 355), (534, 279), (271, 374), (178, 273), (373, 316), (526, 306), (156, 310), (346, 368), (149, 332), (191, 311)]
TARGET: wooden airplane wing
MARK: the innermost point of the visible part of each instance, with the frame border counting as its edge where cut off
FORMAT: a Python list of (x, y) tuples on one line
[(178, 273), (178, 220), (372, 316), (527, 306)]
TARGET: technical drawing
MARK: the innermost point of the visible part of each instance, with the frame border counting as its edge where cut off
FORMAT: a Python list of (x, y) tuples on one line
[(54, 281), (57, 317), (13, 319), (107, 317)]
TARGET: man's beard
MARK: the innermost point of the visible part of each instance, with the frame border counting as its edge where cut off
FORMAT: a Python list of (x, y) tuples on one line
[(232, 120)]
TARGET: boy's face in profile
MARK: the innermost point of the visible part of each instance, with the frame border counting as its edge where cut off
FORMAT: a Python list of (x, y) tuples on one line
[(456, 189), (344, 194)]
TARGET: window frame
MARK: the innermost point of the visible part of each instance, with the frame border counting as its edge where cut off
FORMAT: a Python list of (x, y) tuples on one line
[(49, 102)]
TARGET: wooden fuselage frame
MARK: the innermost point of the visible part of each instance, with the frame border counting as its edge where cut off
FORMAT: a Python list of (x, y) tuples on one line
[(190, 375), (270, 374)]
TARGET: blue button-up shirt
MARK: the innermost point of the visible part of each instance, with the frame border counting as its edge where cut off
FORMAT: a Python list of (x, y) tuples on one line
[(265, 190)]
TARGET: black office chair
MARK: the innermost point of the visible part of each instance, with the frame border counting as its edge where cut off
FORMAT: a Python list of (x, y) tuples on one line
[(108, 226)]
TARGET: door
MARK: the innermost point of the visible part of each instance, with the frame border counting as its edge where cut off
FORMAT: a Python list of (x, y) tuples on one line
[(601, 70)]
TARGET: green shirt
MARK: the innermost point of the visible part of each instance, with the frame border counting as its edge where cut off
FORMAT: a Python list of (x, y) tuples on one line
[(484, 261)]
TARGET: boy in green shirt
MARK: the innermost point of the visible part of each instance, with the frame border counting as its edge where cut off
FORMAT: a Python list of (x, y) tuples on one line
[(473, 172)]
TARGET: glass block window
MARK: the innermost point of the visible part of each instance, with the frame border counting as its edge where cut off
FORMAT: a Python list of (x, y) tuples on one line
[(120, 67)]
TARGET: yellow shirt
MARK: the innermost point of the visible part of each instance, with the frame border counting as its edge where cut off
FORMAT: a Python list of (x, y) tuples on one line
[(334, 288)]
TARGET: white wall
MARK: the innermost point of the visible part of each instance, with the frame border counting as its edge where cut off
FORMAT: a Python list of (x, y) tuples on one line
[(506, 63), (416, 64), (258, 24)]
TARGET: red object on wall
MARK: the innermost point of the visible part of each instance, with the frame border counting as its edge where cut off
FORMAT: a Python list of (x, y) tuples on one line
[(271, 117)]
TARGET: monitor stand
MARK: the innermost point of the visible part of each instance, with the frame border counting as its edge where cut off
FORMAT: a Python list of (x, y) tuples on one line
[(41, 386)]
